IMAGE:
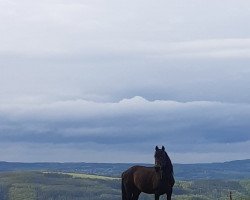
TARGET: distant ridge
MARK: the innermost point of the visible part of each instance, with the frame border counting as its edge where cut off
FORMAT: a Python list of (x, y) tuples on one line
[(238, 169)]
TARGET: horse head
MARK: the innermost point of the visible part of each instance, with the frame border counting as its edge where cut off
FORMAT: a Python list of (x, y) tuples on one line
[(160, 157), (164, 165)]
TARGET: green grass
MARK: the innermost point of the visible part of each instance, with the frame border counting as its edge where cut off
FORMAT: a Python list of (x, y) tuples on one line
[(88, 176), (75, 186)]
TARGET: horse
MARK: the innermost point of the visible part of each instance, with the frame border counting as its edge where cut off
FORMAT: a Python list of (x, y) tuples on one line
[(157, 180)]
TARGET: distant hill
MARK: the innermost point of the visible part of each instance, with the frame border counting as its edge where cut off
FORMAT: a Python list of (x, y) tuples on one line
[(239, 169)]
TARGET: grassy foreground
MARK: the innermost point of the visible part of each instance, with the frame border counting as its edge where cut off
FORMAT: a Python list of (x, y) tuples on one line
[(72, 186)]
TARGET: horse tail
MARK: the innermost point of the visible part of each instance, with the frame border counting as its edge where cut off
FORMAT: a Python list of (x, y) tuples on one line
[(124, 193)]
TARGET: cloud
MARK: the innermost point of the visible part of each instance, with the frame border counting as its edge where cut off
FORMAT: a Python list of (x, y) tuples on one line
[(211, 48), (30, 152), (90, 30), (33, 152), (136, 122), (125, 74)]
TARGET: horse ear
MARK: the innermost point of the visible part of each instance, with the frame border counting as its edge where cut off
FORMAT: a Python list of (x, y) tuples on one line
[(163, 148), (156, 148)]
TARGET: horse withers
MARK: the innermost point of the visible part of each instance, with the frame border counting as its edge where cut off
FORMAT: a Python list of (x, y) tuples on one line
[(156, 180)]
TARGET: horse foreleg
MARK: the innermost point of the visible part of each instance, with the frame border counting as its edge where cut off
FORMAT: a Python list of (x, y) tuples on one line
[(169, 193)]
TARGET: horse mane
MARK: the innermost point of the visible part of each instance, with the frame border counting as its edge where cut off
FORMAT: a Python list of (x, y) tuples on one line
[(169, 165)]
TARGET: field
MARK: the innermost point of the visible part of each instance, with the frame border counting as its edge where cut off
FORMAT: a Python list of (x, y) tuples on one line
[(35, 185)]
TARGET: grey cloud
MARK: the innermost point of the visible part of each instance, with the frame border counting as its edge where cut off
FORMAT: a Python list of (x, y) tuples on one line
[(70, 71), (27, 152), (136, 125), (127, 121), (178, 80)]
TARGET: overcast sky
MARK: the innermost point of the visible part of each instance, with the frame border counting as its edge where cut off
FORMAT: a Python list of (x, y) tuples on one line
[(106, 81)]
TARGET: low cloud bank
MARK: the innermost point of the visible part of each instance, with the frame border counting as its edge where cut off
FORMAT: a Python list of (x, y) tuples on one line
[(130, 125)]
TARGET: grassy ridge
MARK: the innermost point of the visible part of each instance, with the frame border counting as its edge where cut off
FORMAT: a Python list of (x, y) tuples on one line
[(90, 176), (56, 186), (70, 186)]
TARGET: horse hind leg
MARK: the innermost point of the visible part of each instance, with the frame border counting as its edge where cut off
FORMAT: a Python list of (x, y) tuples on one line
[(136, 194)]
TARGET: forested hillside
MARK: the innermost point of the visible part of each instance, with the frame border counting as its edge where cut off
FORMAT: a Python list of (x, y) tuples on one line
[(227, 170), (98, 181), (64, 186)]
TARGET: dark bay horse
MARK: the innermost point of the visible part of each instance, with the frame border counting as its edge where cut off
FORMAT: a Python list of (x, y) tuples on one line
[(156, 180)]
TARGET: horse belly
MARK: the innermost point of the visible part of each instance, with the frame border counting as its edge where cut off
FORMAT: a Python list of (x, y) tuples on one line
[(145, 189), (145, 184), (155, 188)]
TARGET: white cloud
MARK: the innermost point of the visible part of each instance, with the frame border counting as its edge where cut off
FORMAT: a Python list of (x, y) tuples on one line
[(94, 28)]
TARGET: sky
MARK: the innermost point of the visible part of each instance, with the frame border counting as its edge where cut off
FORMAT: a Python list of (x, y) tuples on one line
[(107, 81)]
